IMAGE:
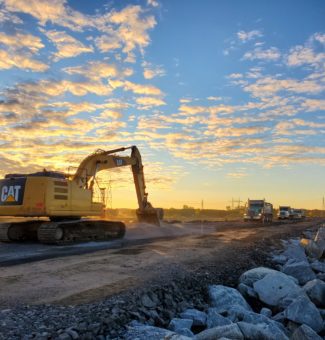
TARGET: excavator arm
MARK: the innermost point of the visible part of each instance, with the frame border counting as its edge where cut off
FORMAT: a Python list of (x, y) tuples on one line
[(103, 160)]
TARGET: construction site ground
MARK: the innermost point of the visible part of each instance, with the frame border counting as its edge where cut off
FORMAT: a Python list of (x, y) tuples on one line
[(70, 275)]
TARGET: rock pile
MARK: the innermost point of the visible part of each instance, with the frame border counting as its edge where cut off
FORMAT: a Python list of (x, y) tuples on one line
[(288, 303), (284, 302)]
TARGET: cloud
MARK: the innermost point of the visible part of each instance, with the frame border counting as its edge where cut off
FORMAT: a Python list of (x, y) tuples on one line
[(237, 175), (300, 55), (245, 36), (20, 41), (54, 11), (268, 86), (67, 46), (97, 70), (108, 42), (313, 105), (10, 60), (54, 88), (148, 90), (270, 54), (320, 37), (149, 102), (214, 98), (151, 71), (126, 29), (153, 3), (6, 16)]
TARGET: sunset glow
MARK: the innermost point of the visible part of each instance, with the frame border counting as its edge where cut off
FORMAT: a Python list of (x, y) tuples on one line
[(223, 98)]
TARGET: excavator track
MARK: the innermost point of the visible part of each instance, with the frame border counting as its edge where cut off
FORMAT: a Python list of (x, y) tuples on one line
[(69, 232), (4, 232)]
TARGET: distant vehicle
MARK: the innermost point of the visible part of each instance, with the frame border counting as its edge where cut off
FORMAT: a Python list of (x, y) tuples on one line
[(285, 213), (298, 214), (258, 210)]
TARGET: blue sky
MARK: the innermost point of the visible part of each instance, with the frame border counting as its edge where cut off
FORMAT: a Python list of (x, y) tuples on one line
[(224, 98)]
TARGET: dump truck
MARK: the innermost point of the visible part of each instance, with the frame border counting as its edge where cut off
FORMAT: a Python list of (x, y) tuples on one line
[(298, 214), (259, 211), (56, 205), (285, 213)]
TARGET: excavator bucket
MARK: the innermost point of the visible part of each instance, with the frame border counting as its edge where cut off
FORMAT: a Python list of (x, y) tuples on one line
[(148, 216)]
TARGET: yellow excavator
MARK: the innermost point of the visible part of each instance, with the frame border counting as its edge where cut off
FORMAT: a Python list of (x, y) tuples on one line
[(65, 199)]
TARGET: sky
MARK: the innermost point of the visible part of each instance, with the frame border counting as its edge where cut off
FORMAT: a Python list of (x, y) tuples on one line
[(224, 98)]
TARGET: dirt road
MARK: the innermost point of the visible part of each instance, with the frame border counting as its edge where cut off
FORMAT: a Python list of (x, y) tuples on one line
[(92, 276)]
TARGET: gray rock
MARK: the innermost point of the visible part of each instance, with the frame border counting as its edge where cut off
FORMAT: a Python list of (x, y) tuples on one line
[(147, 301), (74, 334), (280, 317), (199, 318), (266, 312), (214, 319), (261, 331), (295, 252), (64, 336), (300, 270), (277, 289), (247, 291), (236, 314), (176, 324), (223, 298), (185, 332), (303, 311), (229, 331), (315, 290), (322, 312), (318, 266), (280, 259), (251, 276), (321, 276), (144, 332), (305, 333)]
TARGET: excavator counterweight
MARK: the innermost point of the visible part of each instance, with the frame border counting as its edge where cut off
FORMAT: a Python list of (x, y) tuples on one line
[(65, 201)]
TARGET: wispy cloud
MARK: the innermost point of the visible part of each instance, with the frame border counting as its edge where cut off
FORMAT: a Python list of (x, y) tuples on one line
[(270, 54), (66, 45), (245, 36)]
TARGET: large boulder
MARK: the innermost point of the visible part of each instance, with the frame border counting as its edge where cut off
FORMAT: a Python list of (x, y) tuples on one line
[(214, 319), (315, 290), (261, 331), (251, 276), (305, 333), (144, 332), (199, 318), (295, 252), (228, 331), (300, 270), (303, 311), (222, 298), (277, 289)]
